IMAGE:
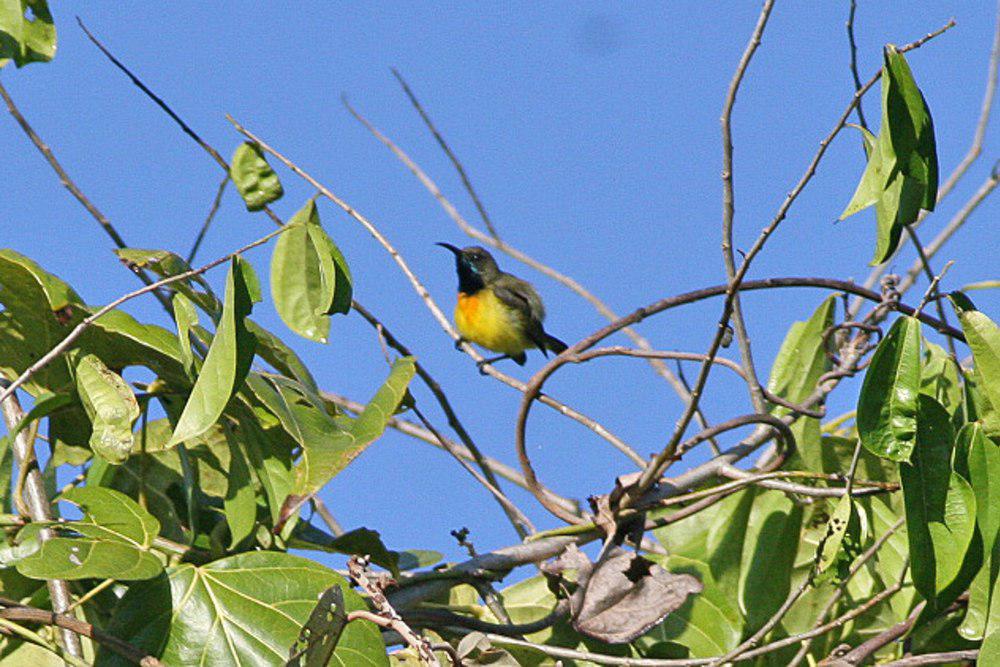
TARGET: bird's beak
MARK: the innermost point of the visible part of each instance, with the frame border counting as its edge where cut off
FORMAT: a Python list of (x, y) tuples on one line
[(457, 251)]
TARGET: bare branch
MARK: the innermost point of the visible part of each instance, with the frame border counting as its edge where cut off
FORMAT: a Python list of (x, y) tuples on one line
[(23, 446)]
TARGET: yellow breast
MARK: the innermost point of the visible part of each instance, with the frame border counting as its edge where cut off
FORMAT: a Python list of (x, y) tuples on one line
[(483, 319)]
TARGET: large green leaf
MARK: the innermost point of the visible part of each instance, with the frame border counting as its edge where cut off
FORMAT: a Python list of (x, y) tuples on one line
[(227, 362), (27, 33), (799, 364), (309, 277), (983, 337), (253, 177), (282, 358), (39, 311), (768, 556), (887, 407), (940, 506), (111, 406), (326, 453), (247, 609), (116, 536)]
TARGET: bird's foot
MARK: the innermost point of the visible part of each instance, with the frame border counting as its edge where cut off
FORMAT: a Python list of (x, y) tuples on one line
[(459, 343), (481, 365)]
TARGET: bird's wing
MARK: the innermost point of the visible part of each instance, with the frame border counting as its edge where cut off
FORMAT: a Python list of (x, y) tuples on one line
[(523, 298)]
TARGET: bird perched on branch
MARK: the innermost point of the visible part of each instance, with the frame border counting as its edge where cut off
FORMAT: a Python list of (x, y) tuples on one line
[(496, 310)]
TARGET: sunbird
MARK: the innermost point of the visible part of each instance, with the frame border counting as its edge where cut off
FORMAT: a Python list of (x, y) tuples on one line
[(496, 310)]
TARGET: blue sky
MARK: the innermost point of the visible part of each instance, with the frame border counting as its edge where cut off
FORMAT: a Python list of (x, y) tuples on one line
[(591, 132)]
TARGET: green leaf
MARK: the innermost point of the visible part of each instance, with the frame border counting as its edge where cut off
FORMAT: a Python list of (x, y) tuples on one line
[(326, 453), (85, 558), (799, 364), (840, 544), (27, 33), (116, 535), (360, 541), (309, 278), (318, 639), (983, 338), (247, 609), (977, 458), (705, 624), (186, 317), (887, 407), (910, 127), (111, 406), (240, 502), (939, 377), (114, 516), (872, 180), (227, 362), (253, 177), (902, 171), (940, 506), (768, 556), (282, 358)]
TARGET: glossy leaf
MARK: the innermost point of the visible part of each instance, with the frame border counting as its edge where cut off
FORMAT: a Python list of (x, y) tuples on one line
[(227, 362), (800, 362), (940, 505), (27, 32), (112, 515), (111, 406), (326, 453), (247, 609), (282, 358), (253, 177), (902, 171), (983, 338), (318, 639), (887, 407), (306, 269)]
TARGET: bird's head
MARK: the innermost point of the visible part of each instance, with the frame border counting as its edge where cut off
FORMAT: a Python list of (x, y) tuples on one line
[(475, 266)]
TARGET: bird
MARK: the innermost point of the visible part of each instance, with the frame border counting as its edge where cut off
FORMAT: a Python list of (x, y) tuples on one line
[(496, 310)]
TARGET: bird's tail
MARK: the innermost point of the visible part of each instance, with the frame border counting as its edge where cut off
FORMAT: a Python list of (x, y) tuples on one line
[(554, 344)]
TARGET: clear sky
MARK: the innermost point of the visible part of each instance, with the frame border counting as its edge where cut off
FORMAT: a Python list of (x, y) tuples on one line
[(591, 130)]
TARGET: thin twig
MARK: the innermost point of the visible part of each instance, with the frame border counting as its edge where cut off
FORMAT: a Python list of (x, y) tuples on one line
[(387, 616), (327, 516), (17, 612), (854, 61), (733, 309), (208, 219)]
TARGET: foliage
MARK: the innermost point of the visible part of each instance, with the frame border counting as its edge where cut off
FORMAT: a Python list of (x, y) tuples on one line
[(176, 537)]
